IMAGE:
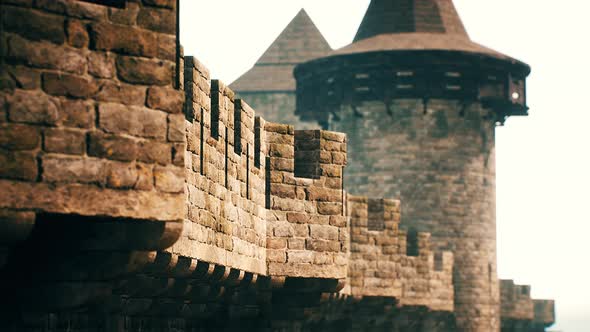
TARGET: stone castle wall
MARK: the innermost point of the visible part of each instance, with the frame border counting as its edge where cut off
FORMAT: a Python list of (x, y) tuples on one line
[(129, 203), (381, 265), (87, 127), (520, 312), (442, 167)]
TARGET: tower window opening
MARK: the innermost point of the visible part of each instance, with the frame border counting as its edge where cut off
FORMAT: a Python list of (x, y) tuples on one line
[(452, 74), (412, 248), (406, 73)]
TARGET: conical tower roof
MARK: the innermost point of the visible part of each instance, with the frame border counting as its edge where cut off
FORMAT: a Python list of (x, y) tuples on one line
[(408, 16), (415, 25), (299, 42)]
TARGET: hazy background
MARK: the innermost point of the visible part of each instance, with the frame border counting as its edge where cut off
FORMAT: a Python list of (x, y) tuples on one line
[(543, 161)]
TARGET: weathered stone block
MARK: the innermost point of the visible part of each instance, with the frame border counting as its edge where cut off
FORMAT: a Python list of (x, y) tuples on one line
[(34, 25), (276, 243), (92, 200), (296, 244), (121, 93), (283, 231), (112, 146), (120, 119), (77, 34), (322, 245), (69, 85), (277, 256), (338, 221), (22, 77), (298, 218), (32, 107), (283, 191), (101, 65), (19, 137), (165, 99), (176, 132), (66, 141), (169, 179), (301, 230), (124, 40), (324, 232), (144, 71), (157, 20), (129, 176), (327, 208), (18, 165), (295, 256), (167, 48), (68, 169), (76, 113), (46, 55), (154, 152)]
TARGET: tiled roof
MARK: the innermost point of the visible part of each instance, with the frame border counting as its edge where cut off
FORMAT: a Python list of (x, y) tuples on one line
[(266, 78), (299, 42), (410, 25), (417, 42), (406, 16)]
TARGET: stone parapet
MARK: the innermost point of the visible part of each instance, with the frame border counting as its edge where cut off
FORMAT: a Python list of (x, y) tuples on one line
[(80, 131), (520, 312), (388, 262)]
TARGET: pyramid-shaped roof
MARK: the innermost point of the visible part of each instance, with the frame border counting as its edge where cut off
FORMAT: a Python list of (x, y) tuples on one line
[(299, 42)]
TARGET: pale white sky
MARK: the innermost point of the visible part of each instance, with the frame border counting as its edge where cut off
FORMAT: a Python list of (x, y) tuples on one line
[(543, 161)]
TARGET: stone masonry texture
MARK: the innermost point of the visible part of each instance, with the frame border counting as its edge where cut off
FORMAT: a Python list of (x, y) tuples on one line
[(139, 194)]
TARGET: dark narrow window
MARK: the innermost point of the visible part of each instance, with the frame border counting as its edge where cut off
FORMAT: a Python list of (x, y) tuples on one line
[(226, 155), (248, 171), (215, 108), (307, 154), (438, 261), (267, 183), (238, 126), (257, 143), (376, 215), (202, 142), (412, 248)]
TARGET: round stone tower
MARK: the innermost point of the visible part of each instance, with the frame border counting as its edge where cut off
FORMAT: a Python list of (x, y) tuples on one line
[(420, 102)]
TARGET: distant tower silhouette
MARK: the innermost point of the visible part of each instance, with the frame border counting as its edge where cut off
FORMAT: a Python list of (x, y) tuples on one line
[(420, 101), (269, 86)]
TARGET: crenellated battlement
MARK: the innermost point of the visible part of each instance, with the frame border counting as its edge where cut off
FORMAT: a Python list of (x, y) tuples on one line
[(519, 309), (385, 260), (151, 198)]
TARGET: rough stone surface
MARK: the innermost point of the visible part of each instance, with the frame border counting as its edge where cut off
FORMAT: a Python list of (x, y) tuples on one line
[(131, 203)]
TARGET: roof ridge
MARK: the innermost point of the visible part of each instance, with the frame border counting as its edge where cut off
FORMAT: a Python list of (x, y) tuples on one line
[(300, 41)]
